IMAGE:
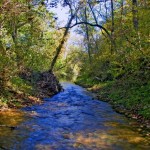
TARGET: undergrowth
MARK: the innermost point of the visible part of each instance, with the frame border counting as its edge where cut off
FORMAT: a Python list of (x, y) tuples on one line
[(129, 93)]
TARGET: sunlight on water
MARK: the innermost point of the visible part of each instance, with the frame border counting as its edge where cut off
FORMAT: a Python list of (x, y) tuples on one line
[(107, 140), (9, 120), (101, 140), (70, 120), (43, 147), (11, 117)]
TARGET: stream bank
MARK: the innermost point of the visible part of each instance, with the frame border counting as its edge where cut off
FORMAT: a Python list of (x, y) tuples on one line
[(70, 120), (41, 84), (104, 91)]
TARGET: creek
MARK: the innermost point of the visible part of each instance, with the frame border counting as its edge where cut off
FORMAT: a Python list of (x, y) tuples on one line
[(71, 120)]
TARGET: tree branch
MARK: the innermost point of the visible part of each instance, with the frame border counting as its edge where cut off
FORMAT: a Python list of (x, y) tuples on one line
[(92, 12), (94, 25), (90, 24)]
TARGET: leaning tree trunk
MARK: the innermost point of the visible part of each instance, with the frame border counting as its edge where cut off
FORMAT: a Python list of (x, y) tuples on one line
[(58, 49)]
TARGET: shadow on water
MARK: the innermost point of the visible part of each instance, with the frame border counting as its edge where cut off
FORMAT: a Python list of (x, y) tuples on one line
[(70, 120)]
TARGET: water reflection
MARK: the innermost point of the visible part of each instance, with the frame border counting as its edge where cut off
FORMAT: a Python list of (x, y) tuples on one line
[(70, 120)]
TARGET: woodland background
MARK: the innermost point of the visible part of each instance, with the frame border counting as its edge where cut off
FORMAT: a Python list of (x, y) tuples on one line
[(113, 57)]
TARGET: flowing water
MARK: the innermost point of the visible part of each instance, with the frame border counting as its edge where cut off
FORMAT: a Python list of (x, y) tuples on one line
[(70, 120)]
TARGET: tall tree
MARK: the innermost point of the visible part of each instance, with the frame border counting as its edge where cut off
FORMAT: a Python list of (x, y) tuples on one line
[(135, 14), (74, 8), (59, 48), (113, 47), (87, 36), (136, 22)]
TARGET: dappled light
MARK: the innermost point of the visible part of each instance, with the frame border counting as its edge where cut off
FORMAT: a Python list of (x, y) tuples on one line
[(70, 120), (11, 117), (9, 120), (100, 51)]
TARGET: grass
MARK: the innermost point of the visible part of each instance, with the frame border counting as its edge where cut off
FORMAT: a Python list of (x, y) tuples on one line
[(132, 97), (130, 93)]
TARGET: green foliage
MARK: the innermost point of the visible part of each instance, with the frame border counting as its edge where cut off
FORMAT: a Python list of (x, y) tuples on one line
[(132, 95), (122, 75), (27, 42), (21, 85)]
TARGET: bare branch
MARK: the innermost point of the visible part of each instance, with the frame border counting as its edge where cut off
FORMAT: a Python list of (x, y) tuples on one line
[(92, 12)]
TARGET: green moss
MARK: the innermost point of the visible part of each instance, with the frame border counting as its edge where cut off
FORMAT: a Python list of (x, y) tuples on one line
[(130, 92), (132, 97)]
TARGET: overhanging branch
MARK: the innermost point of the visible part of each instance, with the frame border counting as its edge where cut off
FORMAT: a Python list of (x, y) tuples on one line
[(94, 25)]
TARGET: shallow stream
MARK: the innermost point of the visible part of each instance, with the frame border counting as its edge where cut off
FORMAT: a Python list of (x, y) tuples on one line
[(70, 120)]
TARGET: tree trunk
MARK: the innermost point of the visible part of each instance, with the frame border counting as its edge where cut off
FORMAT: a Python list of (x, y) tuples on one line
[(111, 36), (3, 73), (106, 9), (87, 37), (113, 44), (136, 22), (122, 8), (135, 15), (58, 49), (14, 35)]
